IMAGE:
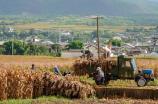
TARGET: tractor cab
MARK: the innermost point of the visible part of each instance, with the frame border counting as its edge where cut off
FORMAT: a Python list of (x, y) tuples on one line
[(127, 67)]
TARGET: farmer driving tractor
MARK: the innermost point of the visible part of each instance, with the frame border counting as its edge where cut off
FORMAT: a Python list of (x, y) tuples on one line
[(100, 76)]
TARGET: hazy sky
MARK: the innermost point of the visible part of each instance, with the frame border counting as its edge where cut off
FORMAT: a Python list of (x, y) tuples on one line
[(154, 0)]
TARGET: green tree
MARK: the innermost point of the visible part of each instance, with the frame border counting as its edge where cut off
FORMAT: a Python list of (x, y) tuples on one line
[(105, 42), (140, 36), (3, 28), (31, 49), (32, 31), (55, 47), (75, 45), (23, 34), (43, 50), (128, 40), (54, 37), (3, 22), (115, 42), (1, 50), (95, 33), (17, 46)]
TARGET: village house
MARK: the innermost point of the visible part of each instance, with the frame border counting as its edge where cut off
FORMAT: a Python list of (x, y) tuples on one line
[(66, 32), (1, 43), (71, 53), (10, 29)]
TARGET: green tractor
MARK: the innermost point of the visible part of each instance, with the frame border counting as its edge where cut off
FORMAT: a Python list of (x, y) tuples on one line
[(125, 69)]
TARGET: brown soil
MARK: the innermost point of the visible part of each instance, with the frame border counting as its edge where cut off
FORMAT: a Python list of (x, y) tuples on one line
[(102, 101)]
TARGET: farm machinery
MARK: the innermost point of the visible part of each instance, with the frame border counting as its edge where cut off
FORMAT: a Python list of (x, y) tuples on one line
[(122, 68)]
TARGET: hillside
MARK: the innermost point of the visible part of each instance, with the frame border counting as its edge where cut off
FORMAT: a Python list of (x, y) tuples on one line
[(81, 7)]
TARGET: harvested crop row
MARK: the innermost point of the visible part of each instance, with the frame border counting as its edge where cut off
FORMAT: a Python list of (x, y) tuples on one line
[(80, 67), (20, 84)]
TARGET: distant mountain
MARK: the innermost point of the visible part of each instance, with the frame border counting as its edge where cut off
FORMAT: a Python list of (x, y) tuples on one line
[(80, 7), (154, 0)]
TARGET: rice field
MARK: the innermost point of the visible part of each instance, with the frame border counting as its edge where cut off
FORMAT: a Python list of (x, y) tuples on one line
[(22, 64), (41, 62), (48, 25)]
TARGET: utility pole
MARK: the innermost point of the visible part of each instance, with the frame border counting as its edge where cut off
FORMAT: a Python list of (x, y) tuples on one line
[(59, 35), (98, 35), (12, 46)]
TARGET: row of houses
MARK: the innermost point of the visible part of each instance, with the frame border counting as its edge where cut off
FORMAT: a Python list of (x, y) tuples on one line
[(127, 48)]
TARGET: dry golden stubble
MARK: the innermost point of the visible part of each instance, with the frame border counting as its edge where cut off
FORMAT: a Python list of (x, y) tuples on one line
[(21, 84)]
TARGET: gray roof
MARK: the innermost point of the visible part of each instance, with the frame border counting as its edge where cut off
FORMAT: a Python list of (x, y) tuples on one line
[(47, 42), (134, 49), (62, 43)]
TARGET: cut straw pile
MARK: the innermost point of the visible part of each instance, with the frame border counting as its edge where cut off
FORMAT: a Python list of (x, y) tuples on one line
[(80, 66), (20, 84)]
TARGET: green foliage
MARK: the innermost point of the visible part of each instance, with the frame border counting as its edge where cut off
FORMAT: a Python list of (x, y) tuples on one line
[(56, 50), (56, 54), (142, 29), (32, 31), (108, 34), (18, 22), (1, 50), (140, 35), (18, 49), (54, 37), (41, 99), (25, 49), (4, 28), (43, 50), (105, 42), (115, 42), (75, 45), (55, 47), (23, 34), (128, 40)]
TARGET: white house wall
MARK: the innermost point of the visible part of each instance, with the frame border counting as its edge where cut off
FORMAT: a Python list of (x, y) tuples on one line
[(69, 54)]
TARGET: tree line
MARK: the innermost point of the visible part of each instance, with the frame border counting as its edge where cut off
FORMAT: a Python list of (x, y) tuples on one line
[(21, 48)]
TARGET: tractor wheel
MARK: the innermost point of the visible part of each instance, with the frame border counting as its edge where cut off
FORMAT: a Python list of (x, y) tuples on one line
[(141, 82), (147, 80)]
